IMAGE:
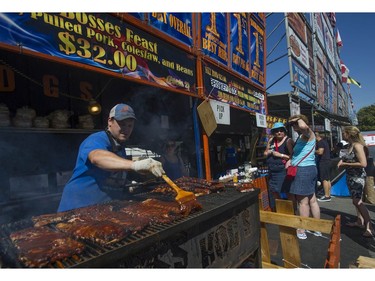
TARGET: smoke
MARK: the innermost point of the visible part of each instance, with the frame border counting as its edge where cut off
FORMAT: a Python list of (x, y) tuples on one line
[(30, 164)]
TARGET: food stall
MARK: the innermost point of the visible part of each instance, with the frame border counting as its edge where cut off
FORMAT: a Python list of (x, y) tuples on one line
[(59, 65)]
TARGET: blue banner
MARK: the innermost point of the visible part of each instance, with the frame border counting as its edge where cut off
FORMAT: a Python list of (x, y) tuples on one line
[(257, 66), (177, 25), (224, 87), (214, 36), (102, 41), (240, 58), (301, 79)]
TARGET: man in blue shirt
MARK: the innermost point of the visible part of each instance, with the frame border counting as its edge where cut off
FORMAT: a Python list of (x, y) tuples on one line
[(101, 161)]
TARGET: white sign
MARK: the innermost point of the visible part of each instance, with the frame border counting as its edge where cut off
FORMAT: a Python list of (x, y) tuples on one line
[(327, 124), (261, 120), (221, 111), (299, 50), (369, 139)]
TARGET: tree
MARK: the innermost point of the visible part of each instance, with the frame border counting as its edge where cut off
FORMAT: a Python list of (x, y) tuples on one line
[(366, 118)]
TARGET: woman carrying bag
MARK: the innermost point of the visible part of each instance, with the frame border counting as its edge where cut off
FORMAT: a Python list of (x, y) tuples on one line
[(302, 186)]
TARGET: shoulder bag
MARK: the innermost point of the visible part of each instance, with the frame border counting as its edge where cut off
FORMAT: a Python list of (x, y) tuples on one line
[(291, 171)]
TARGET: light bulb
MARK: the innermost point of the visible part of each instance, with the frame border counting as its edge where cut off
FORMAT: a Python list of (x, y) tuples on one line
[(94, 107)]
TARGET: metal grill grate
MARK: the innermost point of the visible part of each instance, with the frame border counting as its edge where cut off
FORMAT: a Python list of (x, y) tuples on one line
[(103, 256)]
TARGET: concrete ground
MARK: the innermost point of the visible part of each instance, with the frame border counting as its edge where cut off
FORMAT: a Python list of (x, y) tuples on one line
[(314, 249)]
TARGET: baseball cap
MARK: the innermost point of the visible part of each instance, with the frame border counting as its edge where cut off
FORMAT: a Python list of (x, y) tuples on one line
[(122, 111), (278, 125)]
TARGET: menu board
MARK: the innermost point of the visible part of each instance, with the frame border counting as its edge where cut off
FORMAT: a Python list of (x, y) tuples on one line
[(102, 41), (222, 86)]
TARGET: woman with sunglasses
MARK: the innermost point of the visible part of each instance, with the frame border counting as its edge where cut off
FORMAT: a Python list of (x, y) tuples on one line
[(302, 187), (278, 150)]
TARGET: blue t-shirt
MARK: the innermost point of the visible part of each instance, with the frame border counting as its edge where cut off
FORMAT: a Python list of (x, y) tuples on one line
[(301, 148), (84, 187)]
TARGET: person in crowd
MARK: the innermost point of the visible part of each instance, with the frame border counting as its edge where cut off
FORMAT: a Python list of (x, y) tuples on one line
[(354, 162), (172, 161), (278, 151), (229, 155), (339, 148), (302, 187), (323, 160), (101, 161)]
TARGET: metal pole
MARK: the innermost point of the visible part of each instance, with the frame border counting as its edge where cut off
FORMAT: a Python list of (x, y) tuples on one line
[(197, 139)]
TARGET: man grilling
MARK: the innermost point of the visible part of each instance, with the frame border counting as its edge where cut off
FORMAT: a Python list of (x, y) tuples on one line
[(101, 162)]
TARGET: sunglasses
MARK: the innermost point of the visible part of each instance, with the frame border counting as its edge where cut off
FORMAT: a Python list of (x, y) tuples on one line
[(293, 123), (278, 131)]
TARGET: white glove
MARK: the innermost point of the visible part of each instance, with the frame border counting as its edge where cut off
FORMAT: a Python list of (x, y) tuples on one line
[(149, 165)]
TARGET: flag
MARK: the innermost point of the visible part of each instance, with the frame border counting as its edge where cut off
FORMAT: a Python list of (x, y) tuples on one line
[(353, 81), (338, 39), (332, 19), (344, 72)]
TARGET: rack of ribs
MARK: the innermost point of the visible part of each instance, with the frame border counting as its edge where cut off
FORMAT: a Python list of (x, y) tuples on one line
[(38, 247)]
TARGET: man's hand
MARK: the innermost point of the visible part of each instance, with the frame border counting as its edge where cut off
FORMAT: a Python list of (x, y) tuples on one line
[(150, 165)]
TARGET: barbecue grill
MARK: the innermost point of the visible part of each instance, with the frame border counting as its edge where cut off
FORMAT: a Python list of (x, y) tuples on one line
[(224, 234)]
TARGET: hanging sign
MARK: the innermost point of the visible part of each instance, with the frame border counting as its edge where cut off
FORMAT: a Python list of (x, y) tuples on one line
[(207, 117), (221, 111), (261, 120)]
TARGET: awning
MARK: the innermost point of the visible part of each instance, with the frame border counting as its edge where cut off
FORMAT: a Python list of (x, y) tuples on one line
[(279, 105), (341, 120)]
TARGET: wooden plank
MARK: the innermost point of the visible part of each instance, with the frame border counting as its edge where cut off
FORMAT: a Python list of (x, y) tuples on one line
[(365, 262), (321, 225), (288, 237), (270, 265), (266, 257), (334, 247)]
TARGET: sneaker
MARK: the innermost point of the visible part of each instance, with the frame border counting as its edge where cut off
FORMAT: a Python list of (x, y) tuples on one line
[(317, 233), (301, 235), (324, 199)]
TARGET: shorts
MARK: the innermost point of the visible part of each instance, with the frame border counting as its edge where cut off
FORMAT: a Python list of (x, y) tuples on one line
[(324, 170)]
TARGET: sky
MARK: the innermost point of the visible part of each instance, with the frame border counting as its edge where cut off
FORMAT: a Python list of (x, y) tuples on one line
[(358, 39)]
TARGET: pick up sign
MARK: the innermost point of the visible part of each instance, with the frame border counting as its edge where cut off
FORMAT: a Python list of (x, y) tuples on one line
[(221, 111)]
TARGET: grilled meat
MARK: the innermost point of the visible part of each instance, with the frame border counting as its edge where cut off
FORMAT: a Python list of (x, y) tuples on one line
[(56, 236), (155, 211), (38, 247), (100, 232), (198, 186)]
